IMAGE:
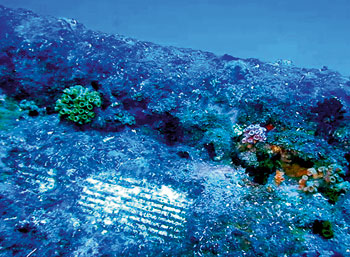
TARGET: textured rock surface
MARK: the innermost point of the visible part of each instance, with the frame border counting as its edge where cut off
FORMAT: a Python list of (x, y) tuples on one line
[(161, 170)]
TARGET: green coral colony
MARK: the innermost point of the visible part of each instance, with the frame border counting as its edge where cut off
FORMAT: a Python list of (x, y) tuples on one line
[(77, 104)]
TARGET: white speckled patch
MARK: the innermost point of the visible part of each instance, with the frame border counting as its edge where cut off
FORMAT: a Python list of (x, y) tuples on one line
[(139, 206)]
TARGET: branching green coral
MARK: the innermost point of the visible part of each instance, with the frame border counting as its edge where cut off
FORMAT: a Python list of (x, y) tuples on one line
[(77, 104)]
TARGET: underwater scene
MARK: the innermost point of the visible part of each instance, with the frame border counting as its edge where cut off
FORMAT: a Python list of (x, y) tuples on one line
[(117, 146)]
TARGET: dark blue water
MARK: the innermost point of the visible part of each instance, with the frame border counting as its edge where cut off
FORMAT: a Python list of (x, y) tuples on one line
[(311, 33)]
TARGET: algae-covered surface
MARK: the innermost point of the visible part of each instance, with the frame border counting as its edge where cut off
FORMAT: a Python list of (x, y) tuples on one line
[(112, 146)]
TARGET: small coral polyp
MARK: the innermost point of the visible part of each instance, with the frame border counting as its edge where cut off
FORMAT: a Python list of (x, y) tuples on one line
[(77, 104), (253, 134), (328, 178)]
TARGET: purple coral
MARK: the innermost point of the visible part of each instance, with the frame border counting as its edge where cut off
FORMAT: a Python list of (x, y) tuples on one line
[(253, 134)]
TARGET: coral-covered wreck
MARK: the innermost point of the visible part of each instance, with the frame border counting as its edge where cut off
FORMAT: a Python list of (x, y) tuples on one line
[(112, 146)]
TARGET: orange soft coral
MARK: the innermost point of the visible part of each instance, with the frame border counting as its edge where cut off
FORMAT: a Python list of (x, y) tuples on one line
[(279, 177), (302, 183), (294, 170)]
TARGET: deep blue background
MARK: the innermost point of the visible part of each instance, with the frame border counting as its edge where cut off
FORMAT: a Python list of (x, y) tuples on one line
[(311, 33)]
